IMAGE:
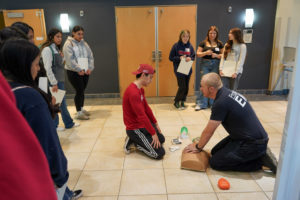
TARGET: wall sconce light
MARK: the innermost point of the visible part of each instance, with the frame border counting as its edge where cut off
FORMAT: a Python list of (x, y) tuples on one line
[(249, 18), (64, 22)]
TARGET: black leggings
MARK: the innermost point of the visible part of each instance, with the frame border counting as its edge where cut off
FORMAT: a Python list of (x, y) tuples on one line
[(183, 88), (79, 83)]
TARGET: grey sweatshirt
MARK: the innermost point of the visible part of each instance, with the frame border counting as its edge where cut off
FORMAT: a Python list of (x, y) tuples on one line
[(73, 50)]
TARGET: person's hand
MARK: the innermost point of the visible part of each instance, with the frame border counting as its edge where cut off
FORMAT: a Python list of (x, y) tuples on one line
[(81, 73), (209, 52), (61, 53), (191, 148), (158, 128), (53, 100), (54, 88), (187, 59), (182, 57), (88, 72), (234, 75), (155, 141), (214, 55), (221, 73)]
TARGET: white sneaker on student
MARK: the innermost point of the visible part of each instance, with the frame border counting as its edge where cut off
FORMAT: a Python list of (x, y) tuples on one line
[(76, 124), (60, 128), (85, 112), (81, 116), (197, 108)]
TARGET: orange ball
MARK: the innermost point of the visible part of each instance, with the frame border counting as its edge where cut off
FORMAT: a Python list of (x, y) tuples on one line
[(223, 184)]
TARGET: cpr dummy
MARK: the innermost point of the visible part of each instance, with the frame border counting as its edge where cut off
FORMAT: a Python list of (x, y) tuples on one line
[(195, 161)]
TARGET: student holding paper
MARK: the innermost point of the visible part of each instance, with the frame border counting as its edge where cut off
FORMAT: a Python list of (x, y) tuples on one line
[(54, 66), (79, 65), (210, 51), (182, 50), (233, 58)]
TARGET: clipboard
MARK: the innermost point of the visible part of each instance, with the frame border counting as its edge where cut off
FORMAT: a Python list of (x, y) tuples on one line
[(59, 95), (229, 68), (83, 63), (185, 67)]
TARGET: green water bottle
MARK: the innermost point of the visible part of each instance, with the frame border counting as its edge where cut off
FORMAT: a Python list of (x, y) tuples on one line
[(184, 134)]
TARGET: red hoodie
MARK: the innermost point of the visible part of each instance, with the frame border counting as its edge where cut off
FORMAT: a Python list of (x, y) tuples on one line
[(24, 171), (136, 111)]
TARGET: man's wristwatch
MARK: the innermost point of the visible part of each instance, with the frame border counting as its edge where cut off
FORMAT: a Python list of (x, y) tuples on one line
[(199, 149)]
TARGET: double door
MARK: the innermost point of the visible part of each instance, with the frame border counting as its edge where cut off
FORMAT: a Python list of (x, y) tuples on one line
[(146, 35)]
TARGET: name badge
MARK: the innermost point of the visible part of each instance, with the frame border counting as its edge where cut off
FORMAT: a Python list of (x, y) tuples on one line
[(187, 49), (217, 49)]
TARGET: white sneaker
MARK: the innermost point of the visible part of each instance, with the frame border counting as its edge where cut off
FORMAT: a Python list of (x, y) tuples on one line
[(81, 116), (76, 124), (85, 112), (197, 108), (60, 128)]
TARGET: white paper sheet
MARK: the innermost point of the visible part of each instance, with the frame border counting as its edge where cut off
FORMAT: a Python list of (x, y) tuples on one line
[(184, 67), (43, 84), (59, 95), (83, 63), (229, 68)]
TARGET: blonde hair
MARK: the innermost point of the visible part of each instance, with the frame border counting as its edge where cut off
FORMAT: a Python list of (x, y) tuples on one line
[(212, 80)]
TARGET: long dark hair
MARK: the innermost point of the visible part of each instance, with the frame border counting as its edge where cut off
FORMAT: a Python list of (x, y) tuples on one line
[(183, 32), (16, 59), (50, 38), (76, 29), (213, 28), (237, 34)]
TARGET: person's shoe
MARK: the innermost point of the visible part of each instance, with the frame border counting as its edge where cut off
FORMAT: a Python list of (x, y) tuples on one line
[(85, 112), (197, 108), (177, 106), (182, 106), (77, 194), (270, 161), (81, 116), (127, 145), (60, 129), (74, 125)]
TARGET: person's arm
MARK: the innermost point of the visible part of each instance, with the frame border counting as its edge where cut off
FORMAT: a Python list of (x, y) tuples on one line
[(174, 57), (201, 53), (207, 133), (192, 52), (70, 57), (138, 107), (90, 57), (47, 60), (222, 62), (149, 112), (241, 61)]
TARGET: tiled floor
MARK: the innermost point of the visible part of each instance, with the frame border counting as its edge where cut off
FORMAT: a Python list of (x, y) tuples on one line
[(98, 165)]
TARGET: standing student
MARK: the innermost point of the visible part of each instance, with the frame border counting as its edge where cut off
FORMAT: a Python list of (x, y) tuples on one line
[(234, 55), (54, 66), (141, 126), (182, 49), (210, 51), (79, 65)]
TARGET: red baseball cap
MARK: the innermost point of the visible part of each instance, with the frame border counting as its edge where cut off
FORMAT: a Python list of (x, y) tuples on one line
[(144, 68)]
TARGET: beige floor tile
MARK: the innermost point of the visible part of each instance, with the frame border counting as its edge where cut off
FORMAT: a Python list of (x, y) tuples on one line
[(100, 198), (93, 122), (114, 122), (109, 144), (239, 181), (142, 182), (113, 132), (97, 183), (172, 160), (164, 107), (209, 196), (171, 130), (138, 160), (78, 145), (269, 195), (85, 133), (242, 196), (274, 140), (265, 180), (184, 181), (76, 161), (144, 197), (105, 161), (174, 120), (73, 178)]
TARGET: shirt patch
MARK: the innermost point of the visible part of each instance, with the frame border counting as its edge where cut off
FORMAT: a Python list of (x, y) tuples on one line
[(240, 99)]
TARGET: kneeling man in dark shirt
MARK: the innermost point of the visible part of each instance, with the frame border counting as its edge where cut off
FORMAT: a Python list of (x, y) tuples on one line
[(245, 149)]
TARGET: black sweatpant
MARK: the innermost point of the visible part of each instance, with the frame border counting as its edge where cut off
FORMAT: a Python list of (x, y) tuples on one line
[(143, 139), (183, 88), (237, 155), (79, 83)]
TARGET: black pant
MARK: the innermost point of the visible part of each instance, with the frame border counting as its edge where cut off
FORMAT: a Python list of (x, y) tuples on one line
[(183, 88), (237, 155), (143, 139), (79, 83)]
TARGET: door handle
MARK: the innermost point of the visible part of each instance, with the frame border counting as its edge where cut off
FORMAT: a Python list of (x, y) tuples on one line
[(159, 55), (156, 55), (153, 56)]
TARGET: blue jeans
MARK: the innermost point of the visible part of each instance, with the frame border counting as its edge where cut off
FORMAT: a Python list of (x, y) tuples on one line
[(68, 121), (206, 66), (68, 194), (60, 192), (231, 83)]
